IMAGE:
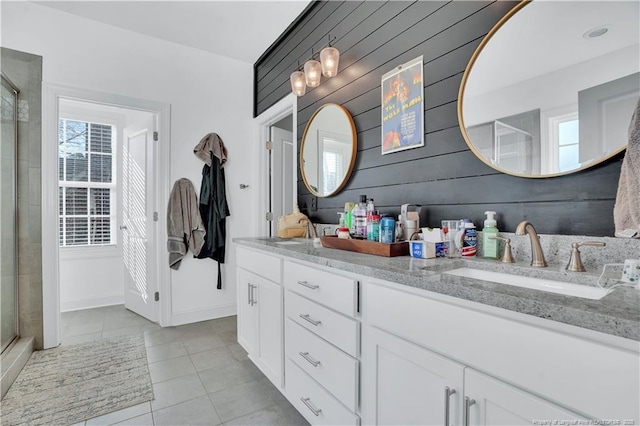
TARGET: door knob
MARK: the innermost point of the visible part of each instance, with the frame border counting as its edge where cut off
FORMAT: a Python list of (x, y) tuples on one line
[(123, 227)]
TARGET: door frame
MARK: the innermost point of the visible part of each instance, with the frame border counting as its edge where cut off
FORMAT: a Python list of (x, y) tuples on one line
[(284, 107), (50, 240)]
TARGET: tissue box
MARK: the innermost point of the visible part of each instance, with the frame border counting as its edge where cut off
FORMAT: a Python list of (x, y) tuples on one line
[(428, 249)]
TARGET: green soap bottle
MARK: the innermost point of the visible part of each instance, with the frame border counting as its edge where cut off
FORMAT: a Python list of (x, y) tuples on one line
[(490, 246)]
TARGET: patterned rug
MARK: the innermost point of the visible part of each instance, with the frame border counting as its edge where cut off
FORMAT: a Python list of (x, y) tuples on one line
[(69, 384)]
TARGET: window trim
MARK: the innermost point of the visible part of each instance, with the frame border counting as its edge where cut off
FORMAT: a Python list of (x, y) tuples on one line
[(83, 115)]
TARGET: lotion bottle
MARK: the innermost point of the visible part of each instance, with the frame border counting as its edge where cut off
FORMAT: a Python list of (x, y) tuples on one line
[(490, 246)]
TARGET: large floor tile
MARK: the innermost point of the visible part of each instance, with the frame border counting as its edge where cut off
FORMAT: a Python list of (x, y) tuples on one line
[(121, 415), (228, 337), (161, 336), (243, 399), (225, 324), (165, 351), (198, 411), (143, 420), (81, 338), (238, 351), (272, 415), (170, 369), (176, 390), (203, 342), (229, 375), (215, 358)]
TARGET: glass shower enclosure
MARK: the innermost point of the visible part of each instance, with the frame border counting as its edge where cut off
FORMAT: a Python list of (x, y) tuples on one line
[(8, 225)]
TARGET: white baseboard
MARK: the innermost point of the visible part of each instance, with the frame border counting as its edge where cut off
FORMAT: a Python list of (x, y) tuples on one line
[(197, 315), (90, 302)]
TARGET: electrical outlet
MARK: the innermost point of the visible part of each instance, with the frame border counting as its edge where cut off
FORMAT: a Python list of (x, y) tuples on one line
[(314, 204)]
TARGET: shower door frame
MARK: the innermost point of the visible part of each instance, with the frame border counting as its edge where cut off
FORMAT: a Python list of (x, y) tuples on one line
[(7, 83)]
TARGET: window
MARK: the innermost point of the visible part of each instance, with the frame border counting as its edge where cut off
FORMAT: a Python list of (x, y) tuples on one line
[(86, 183)]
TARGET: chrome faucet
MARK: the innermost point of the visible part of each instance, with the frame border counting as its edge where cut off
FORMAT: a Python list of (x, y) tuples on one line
[(310, 228), (537, 256)]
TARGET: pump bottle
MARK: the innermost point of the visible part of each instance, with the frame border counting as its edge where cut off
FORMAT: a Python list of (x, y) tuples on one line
[(490, 246)]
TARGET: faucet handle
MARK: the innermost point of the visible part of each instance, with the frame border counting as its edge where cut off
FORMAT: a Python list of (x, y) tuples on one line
[(507, 256), (575, 262)]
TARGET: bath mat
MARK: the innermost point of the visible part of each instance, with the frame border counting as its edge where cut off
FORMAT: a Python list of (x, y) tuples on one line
[(69, 384)]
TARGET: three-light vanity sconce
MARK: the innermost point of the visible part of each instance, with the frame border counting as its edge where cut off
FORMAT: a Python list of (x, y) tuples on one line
[(314, 70)]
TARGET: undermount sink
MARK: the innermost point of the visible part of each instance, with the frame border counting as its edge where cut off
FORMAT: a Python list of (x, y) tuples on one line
[(551, 286)]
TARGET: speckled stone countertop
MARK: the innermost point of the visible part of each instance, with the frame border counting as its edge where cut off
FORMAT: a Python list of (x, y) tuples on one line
[(618, 313)]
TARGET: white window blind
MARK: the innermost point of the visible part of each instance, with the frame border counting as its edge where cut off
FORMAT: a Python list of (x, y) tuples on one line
[(86, 183)]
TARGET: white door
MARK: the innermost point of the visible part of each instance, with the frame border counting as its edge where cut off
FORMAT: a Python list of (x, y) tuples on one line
[(270, 329), (282, 177), (138, 240), (410, 383), (496, 403)]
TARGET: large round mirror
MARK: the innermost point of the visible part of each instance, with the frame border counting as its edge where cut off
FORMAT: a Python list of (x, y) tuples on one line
[(328, 150), (552, 88)]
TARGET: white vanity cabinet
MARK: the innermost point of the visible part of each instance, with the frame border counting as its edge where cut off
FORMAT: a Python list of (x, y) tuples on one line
[(322, 344), (416, 346), (260, 319)]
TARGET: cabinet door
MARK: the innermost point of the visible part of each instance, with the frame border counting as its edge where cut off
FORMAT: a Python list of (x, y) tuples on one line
[(247, 311), (409, 382), (268, 301), (497, 403)]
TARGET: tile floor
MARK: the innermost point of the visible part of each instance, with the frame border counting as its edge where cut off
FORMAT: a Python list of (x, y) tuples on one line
[(200, 374)]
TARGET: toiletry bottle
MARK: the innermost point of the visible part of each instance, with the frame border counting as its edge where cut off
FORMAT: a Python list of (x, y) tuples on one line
[(359, 218), (341, 221), (490, 247), (348, 219), (469, 240), (370, 209), (373, 227), (387, 230)]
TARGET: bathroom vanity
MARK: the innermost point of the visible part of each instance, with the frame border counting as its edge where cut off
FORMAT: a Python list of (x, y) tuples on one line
[(354, 339)]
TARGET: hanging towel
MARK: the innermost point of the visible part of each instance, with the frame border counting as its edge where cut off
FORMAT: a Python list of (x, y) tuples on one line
[(185, 229), (626, 212), (213, 201)]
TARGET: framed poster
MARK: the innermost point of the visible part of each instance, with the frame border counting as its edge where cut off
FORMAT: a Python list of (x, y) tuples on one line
[(403, 108)]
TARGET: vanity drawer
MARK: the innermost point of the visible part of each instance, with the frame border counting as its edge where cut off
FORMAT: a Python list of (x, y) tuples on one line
[(328, 365), (269, 267), (322, 408), (335, 291), (342, 331)]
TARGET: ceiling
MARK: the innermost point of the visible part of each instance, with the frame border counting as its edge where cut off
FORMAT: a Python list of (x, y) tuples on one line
[(241, 30)]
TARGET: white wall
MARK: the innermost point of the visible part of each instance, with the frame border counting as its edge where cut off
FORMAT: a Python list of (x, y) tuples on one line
[(207, 93)]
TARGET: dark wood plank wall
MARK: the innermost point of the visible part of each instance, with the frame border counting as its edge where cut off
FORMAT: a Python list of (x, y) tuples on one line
[(444, 176)]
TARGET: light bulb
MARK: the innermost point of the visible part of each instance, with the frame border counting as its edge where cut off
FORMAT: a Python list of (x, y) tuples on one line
[(330, 57), (313, 73), (298, 85)]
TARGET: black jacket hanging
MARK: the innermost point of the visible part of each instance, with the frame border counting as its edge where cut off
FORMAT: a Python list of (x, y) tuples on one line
[(213, 201)]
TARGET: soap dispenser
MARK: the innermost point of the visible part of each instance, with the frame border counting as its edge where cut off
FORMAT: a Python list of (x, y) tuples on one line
[(490, 246)]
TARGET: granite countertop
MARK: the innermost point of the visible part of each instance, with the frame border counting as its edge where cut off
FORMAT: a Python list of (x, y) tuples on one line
[(618, 313)]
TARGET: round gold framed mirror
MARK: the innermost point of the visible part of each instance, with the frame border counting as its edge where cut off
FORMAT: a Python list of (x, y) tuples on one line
[(328, 150), (552, 88)]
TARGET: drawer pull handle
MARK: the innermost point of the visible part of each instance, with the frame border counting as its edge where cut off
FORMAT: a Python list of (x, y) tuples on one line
[(253, 295), (310, 360), (314, 410), (311, 286), (465, 413), (447, 396), (307, 318)]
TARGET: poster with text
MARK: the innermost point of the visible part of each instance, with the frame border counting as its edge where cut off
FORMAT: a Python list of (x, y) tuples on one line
[(403, 108)]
